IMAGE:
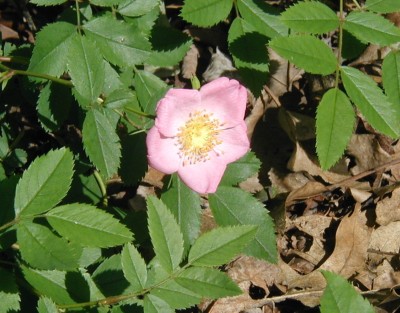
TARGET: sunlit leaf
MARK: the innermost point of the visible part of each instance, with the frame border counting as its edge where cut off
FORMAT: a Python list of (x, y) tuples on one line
[(47, 2), (240, 170), (391, 76), (9, 295), (134, 267), (136, 7), (46, 305), (206, 12), (153, 304), (106, 3), (383, 6)]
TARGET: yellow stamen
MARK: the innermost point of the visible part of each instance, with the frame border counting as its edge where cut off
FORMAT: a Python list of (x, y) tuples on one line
[(198, 137)]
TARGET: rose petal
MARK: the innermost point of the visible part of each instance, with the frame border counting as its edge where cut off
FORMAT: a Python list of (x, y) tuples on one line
[(174, 109), (162, 153), (226, 98), (235, 143), (203, 177)]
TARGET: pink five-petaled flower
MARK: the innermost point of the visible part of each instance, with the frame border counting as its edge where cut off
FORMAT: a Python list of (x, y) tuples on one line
[(198, 132)]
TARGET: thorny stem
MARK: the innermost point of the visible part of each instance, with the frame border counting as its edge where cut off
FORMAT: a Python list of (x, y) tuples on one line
[(340, 45), (102, 187)]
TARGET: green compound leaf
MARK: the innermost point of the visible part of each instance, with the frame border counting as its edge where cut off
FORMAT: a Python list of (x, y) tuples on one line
[(310, 17), (207, 282), (120, 98), (165, 234), (47, 2), (134, 267), (391, 76), (341, 297), (335, 125), (263, 17), (9, 294), (306, 52), (372, 28), (206, 12), (45, 183), (51, 49), (169, 46), (101, 143), (42, 249), (240, 170), (153, 304), (46, 305), (88, 226), (86, 68), (220, 245), (383, 6), (106, 3), (184, 204), (136, 7), (120, 43), (383, 115), (233, 206)]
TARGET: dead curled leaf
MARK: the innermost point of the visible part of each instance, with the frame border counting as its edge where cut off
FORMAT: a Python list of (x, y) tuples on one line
[(387, 210)]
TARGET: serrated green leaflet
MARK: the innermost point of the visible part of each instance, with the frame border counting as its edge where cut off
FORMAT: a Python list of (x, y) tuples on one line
[(233, 206), (136, 7), (9, 294), (88, 226), (120, 43), (207, 282), (220, 245), (341, 297), (47, 2), (153, 304), (134, 267), (51, 50), (86, 67), (185, 205), (101, 143), (53, 106), (206, 12), (372, 28), (391, 76), (46, 305), (240, 170), (310, 17), (45, 183), (383, 115), (306, 52), (120, 98), (169, 46), (165, 234), (335, 125), (383, 6), (106, 3), (263, 17), (42, 249)]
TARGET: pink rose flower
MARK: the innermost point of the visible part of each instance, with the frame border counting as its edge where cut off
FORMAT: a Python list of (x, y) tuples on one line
[(198, 132)]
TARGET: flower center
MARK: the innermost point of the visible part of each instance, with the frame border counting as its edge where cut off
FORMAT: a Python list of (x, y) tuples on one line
[(198, 137)]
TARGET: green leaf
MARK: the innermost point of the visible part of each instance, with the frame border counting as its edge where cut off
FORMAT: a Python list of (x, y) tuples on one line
[(335, 125), (233, 206), (169, 46), (42, 249), (134, 267), (352, 47), (47, 2), (46, 305), (372, 28), (165, 234), (391, 76), (120, 98), (53, 43), (207, 282), (306, 52), (45, 183), (120, 43), (86, 68), (263, 17), (106, 3), (153, 304), (383, 115), (340, 297), (310, 17), (9, 294), (184, 203), (206, 12), (88, 226), (101, 143), (220, 245), (136, 7), (240, 170), (53, 106), (383, 6)]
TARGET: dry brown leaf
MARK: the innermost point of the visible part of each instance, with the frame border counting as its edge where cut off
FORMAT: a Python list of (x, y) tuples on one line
[(386, 276), (352, 239), (190, 61), (307, 191), (388, 209), (8, 33), (299, 127), (386, 238)]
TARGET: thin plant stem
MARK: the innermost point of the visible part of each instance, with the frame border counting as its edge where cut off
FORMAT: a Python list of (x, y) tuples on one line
[(9, 224), (78, 16), (140, 113), (340, 44), (357, 4), (102, 187)]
